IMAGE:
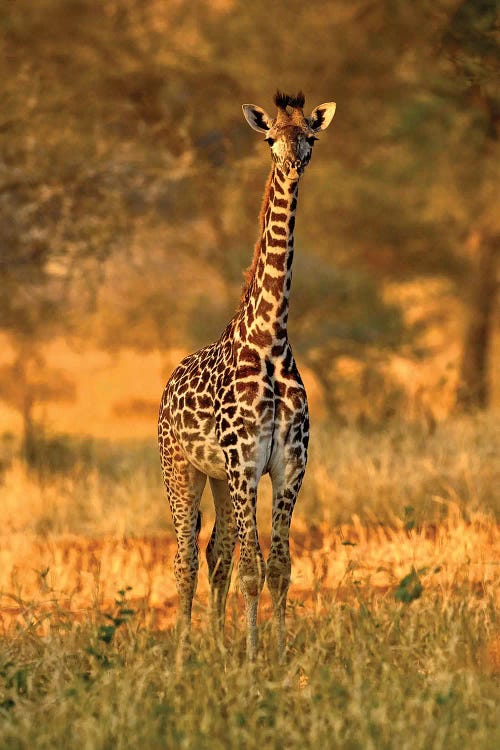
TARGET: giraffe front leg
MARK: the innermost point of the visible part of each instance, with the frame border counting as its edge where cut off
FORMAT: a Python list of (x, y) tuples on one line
[(278, 581), (252, 573), (279, 563), (252, 568)]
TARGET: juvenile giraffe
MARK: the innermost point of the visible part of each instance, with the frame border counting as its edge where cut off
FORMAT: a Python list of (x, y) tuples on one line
[(237, 409)]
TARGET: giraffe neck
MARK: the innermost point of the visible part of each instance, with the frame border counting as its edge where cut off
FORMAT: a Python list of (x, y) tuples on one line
[(264, 305)]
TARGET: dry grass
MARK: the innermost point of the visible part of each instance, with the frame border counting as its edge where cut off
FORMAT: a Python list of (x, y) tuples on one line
[(402, 473), (372, 507), (393, 632), (75, 574), (393, 643)]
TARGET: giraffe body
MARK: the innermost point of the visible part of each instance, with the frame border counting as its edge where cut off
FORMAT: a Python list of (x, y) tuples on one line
[(237, 409)]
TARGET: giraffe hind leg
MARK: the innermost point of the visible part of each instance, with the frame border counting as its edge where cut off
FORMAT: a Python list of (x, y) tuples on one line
[(251, 568), (184, 485), (220, 553), (278, 562)]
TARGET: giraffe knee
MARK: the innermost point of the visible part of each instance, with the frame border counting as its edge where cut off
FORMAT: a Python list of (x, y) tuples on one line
[(252, 575), (219, 567), (278, 573), (250, 586), (186, 566), (219, 555)]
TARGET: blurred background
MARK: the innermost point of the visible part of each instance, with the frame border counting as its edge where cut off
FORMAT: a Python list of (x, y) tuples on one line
[(130, 187)]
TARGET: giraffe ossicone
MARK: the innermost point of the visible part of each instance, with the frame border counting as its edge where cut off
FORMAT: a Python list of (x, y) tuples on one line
[(237, 409)]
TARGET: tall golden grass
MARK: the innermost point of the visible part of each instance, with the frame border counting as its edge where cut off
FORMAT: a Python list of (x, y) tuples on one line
[(374, 507), (392, 624), (76, 574)]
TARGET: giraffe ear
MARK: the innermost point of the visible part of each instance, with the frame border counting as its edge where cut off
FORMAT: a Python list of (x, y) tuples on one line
[(257, 118), (321, 117)]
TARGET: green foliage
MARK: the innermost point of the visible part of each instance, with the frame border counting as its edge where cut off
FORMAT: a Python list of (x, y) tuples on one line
[(409, 588), (122, 615)]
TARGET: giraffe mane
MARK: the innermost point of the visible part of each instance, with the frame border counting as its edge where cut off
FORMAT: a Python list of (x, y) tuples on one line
[(283, 100), (249, 273)]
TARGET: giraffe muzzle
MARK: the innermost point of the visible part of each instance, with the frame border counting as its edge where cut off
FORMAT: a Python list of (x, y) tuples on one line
[(292, 169)]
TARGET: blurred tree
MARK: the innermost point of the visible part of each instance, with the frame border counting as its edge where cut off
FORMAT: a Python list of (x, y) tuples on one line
[(130, 186), (471, 42), (88, 150), (59, 208), (28, 382), (412, 179)]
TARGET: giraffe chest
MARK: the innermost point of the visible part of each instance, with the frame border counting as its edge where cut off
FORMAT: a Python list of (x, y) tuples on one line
[(264, 411), (230, 436), (238, 415)]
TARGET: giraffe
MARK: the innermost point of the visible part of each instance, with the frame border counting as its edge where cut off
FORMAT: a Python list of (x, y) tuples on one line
[(237, 409)]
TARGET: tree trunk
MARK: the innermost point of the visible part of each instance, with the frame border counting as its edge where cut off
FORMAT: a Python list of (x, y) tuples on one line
[(473, 385), (28, 440)]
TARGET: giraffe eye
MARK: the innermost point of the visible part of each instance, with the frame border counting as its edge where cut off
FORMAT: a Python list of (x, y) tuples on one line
[(270, 140)]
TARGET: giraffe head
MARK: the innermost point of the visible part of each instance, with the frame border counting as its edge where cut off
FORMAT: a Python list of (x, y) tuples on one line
[(290, 135)]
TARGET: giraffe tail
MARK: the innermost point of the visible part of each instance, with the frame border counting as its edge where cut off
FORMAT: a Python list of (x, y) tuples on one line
[(198, 526)]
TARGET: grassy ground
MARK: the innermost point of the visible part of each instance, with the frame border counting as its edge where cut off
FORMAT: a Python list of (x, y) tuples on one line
[(394, 639), (366, 671)]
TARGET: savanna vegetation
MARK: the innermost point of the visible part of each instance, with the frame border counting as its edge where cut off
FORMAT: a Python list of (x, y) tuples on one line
[(129, 194), (392, 617), (414, 669)]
